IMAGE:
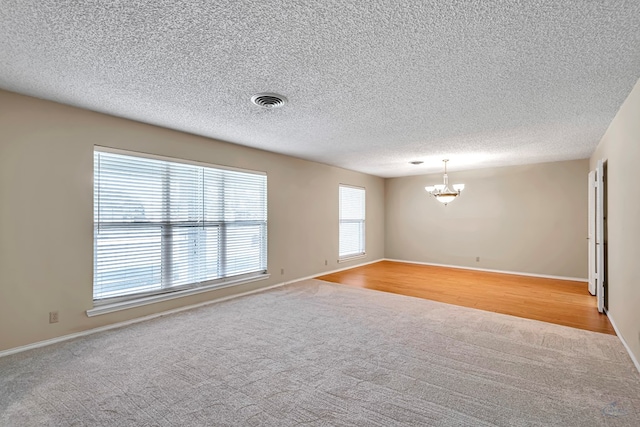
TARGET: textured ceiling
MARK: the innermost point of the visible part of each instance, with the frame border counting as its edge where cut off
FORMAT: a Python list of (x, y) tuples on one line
[(371, 84)]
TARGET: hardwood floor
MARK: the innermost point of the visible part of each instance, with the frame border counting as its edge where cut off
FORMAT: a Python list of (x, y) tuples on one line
[(556, 301)]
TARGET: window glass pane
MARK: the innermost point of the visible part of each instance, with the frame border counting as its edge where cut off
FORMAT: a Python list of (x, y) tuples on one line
[(211, 265), (185, 192), (244, 248), (126, 262), (244, 197), (187, 245)]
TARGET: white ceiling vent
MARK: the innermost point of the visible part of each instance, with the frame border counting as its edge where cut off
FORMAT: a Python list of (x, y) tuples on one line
[(268, 100)]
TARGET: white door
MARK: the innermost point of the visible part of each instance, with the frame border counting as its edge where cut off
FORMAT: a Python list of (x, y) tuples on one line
[(601, 274), (591, 233)]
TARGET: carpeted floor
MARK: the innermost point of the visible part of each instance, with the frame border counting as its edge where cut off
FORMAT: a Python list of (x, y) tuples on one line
[(316, 353)]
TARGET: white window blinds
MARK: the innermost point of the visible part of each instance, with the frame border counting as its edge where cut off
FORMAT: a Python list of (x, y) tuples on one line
[(161, 226), (352, 215)]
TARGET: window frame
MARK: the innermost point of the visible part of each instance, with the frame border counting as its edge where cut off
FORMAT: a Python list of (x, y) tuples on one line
[(362, 221), (113, 303)]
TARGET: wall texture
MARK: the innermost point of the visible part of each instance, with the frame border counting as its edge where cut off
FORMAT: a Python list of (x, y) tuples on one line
[(620, 147), (530, 219), (46, 212)]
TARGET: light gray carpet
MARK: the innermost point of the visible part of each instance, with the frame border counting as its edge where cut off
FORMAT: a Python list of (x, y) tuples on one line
[(316, 353)]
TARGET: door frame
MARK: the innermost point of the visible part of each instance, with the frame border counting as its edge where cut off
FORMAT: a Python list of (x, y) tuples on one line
[(591, 233), (600, 235)]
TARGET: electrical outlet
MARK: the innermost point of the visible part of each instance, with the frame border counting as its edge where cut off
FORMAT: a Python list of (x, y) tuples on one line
[(326, 262), (477, 259), (282, 271), (53, 317)]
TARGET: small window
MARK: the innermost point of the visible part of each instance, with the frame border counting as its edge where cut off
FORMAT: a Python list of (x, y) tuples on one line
[(352, 215), (162, 226)]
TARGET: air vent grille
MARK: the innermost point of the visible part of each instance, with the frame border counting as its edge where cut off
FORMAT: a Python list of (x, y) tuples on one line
[(268, 100)]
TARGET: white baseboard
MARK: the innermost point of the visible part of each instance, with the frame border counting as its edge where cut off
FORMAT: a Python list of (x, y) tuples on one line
[(324, 273), (624, 343), (160, 314), (515, 273), (129, 322)]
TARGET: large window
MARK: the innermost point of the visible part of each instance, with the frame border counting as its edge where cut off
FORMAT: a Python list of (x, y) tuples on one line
[(352, 213), (162, 226)]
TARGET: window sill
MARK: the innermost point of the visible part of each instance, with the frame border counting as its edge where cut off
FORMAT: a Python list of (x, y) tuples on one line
[(142, 301), (351, 258)]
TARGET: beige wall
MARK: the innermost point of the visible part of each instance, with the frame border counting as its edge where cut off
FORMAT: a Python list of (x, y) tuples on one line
[(529, 219), (524, 218), (46, 208), (620, 147)]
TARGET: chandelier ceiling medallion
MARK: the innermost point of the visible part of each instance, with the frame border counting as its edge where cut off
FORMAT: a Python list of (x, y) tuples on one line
[(441, 192)]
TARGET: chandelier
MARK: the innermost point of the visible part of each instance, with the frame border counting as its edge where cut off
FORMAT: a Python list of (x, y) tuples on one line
[(441, 192)]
